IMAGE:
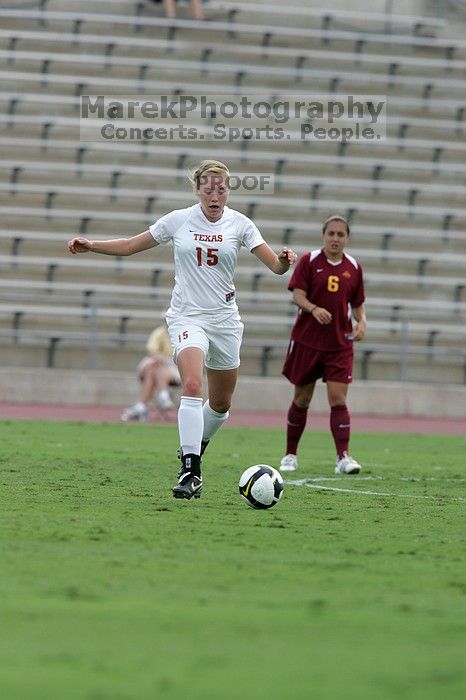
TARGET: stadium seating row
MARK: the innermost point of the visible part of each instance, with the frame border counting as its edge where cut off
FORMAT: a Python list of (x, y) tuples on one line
[(21, 175), (190, 80), (48, 196), (86, 314), (159, 273), (144, 71), (277, 33), (181, 156), (16, 240), (197, 49), (387, 22)]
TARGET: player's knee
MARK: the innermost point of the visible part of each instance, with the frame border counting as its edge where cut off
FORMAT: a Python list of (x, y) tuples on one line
[(192, 386), (219, 406)]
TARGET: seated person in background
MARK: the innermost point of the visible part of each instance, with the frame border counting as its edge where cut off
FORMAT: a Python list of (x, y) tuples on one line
[(157, 373), (170, 8)]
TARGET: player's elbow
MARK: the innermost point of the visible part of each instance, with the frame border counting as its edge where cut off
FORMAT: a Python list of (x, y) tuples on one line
[(127, 247)]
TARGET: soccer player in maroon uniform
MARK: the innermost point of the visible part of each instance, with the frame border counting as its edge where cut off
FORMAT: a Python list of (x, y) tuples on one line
[(328, 288)]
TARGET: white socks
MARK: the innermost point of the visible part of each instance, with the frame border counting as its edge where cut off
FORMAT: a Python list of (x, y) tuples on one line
[(196, 421), (190, 424), (212, 421)]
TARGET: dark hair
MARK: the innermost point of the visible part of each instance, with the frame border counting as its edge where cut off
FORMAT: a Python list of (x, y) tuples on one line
[(336, 217)]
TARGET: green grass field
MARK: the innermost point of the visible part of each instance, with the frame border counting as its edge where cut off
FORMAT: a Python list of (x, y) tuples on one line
[(110, 589)]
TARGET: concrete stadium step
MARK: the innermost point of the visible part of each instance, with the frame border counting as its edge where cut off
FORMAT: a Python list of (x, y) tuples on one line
[(254, 159), (131, 220), (28, 176), (427, 242), (51, 201), (272, 32), (185, 74), (194, 49)]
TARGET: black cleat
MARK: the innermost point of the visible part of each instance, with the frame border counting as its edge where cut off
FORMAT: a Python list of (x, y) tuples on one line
[(190, 480), (179, 454), (189, 486)]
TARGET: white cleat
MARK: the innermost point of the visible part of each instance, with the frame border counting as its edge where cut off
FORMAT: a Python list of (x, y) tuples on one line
[(134, 413), (289, 463), (347, 465), (164, 403)]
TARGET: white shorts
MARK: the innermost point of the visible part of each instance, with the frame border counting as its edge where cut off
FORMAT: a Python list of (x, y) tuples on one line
[(220, 341)]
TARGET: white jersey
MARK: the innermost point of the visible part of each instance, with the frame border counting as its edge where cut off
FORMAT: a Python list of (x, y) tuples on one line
[(205, 255)]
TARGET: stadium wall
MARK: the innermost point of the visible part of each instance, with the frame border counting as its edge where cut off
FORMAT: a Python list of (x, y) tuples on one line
[(107, 388)]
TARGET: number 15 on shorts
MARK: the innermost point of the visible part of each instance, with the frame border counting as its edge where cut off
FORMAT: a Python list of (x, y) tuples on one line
[(183, 336)]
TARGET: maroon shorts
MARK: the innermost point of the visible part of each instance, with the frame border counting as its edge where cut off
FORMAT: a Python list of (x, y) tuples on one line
[(305, 365)]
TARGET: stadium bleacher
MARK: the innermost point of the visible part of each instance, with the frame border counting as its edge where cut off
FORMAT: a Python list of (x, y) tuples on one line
[(404, 195)]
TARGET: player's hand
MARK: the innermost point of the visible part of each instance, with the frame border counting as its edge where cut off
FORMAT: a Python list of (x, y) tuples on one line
[(79, 245), (321, 315), (359, 330), (287, 255)]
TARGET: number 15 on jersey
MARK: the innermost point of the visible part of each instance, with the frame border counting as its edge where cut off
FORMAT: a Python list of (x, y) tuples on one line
[(211, 257)]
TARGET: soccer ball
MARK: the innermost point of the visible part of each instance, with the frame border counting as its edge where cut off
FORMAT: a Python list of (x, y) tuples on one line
[(261, 486)]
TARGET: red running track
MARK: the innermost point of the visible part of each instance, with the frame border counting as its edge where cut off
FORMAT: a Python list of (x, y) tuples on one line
[(270, 419)]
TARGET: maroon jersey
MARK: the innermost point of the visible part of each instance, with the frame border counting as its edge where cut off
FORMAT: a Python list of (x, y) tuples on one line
[(336, 287)]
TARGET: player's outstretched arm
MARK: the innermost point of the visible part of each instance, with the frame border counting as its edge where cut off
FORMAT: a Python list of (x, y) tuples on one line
[(277, 263), (114, 246)]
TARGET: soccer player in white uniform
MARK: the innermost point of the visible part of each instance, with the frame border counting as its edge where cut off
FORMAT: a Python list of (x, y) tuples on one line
[(203, 319)]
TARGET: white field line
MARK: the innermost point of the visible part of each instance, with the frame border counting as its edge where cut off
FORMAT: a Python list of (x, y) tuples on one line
[(307, 484), (318, 479)]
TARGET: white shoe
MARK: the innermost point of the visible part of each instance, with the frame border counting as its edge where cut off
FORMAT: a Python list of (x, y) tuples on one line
[(134, 413), (347, 465), (164, 402), (289, 463)]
